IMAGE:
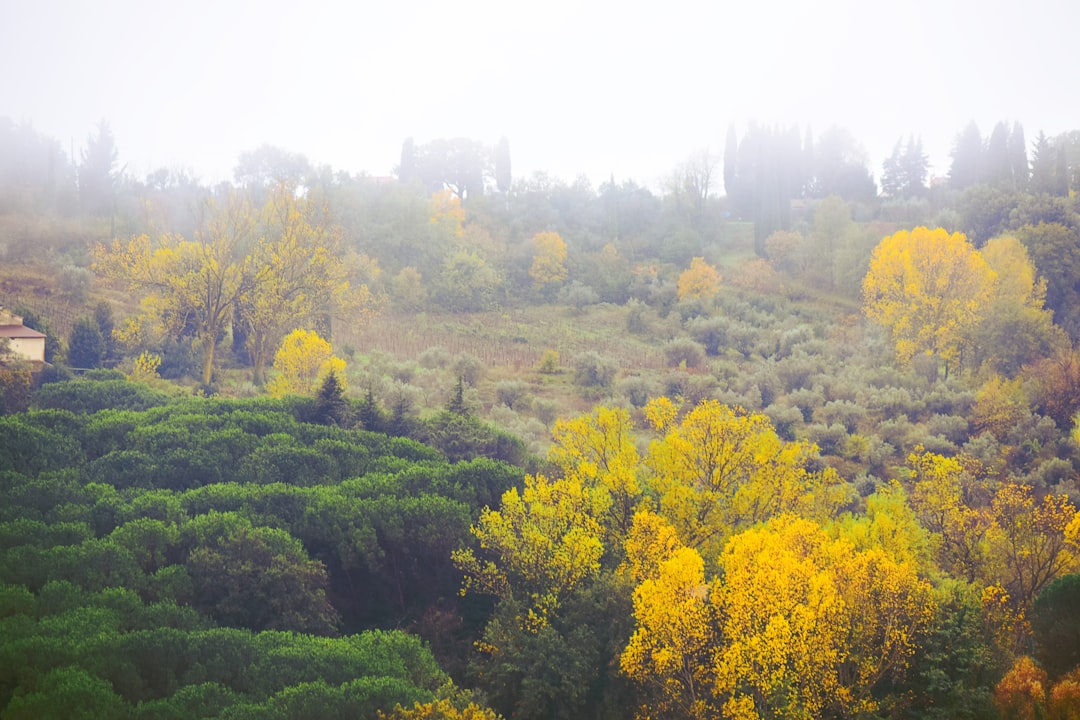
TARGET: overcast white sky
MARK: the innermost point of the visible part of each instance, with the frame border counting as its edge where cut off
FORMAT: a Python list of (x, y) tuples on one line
[(598, 88)]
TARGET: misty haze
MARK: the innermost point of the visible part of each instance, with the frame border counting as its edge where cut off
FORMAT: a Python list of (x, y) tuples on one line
[(482, 361)]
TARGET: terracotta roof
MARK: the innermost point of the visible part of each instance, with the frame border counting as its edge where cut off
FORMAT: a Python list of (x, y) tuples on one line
[(18, 331)]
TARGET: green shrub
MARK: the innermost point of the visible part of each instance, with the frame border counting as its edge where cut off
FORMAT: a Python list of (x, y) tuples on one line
[(593, 371), (514, 394), (684, 352)]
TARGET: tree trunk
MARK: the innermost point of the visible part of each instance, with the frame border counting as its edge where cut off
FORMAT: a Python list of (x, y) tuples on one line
[(208, 359)]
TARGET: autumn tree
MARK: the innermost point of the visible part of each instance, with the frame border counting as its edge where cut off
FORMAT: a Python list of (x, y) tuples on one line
[(599, 450), (1015, 329), (1006, 537), (719, 469), (811, 625), (538, 546), (927, 288), (949, 496), (1021, 694), (296, 274), (1028, 542), (441, 709), (447, 213), (549, 260), (674, 640), (802, 624), (699, 281), (302, 362), (190, 283)]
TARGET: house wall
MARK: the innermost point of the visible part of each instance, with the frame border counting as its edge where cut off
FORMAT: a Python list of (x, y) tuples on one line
[(28, 348)]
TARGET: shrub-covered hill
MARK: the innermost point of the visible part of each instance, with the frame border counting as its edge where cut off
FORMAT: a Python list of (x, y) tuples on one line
[(215, 558)]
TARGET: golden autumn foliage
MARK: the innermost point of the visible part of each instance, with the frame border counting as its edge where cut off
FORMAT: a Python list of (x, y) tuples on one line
[(699, 281), (1000, 404), (720, 468), (927, 288), (297, 271), (301, 362), (1065, 697), (1007, 537), (199, 282), (649, 543), (1021, 694), (598, 450), (676, 635), (441, 709), (943, 489), (797, 623), (810, 623), (549, 260), (889, 523), (1015, 278), (145, 368), (447, 212), (1025, 693), (259, 272), (1028, 540), (538, 546)]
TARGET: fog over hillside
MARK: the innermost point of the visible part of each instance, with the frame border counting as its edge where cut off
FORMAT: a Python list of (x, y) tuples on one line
[(599, 88)]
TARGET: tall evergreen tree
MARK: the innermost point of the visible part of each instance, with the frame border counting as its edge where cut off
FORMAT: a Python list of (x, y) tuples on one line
[(731, 151), (1061, 171), (966, 169), (407, 168), (904, 172), (502, 165), (86, 347), (1043, 165), (997, 164), (1018, 157), (97, 173), (103, 318)]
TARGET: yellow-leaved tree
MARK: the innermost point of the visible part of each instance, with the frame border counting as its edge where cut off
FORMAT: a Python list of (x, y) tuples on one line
[(302, 362), (539, 545), (1006, 537), (549, 260), (929, 289), (670, 651), (810, 623), (259, 273), (719, 469), (447, 212), (1028, 541), (676, 632), (949, 496), (598, 450), (441, 709), (297, 273), (699, 281), (796, 624), (1015, 329), (190, 283)]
